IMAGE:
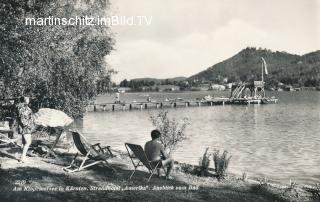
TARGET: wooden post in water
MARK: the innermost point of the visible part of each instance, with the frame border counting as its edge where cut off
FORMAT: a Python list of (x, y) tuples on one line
[(94, 108), (223, 103), (146, 106), (211, 103), (175, 104), (186, 103), (161, 105), (199, 104), (113, 108), (124, 107), (130, 106), (140, 106)]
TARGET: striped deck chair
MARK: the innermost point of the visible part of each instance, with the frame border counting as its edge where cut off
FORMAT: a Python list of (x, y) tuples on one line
[(139, 158), (94, 153)]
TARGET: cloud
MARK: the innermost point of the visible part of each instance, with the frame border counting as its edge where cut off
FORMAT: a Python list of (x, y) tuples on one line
[(143, 58), (186, 37), (184, 56)]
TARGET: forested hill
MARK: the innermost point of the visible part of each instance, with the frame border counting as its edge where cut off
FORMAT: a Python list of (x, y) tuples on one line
[(282, 67)]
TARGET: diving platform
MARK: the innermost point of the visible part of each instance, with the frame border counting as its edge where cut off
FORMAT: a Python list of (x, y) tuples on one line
[(246, 93)]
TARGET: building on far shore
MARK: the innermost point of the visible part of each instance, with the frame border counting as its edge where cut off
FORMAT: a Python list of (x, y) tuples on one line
[(217, 87), (162, 88), (124, 89)]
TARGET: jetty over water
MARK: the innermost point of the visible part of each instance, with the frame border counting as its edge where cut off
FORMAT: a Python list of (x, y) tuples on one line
[(241, 93), (123, 106), (156, 104)]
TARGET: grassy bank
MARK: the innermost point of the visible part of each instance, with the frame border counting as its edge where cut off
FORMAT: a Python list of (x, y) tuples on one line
[(42, 179)]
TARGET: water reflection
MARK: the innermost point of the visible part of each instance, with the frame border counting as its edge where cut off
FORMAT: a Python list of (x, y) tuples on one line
[(279, 141)]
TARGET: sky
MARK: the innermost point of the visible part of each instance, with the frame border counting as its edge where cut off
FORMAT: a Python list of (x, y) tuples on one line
[(188, 36)]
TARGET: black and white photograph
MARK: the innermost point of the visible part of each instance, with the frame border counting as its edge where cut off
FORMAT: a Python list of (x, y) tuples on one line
[(160, 100)]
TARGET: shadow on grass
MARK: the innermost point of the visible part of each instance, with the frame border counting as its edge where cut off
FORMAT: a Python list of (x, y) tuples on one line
[(102, 176), (232, 194), (35, 177)]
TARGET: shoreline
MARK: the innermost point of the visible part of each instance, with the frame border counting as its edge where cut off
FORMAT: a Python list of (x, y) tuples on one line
[(226, 90), (41, 178)]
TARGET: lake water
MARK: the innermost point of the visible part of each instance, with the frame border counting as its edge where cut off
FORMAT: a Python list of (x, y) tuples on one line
[(280, 141)]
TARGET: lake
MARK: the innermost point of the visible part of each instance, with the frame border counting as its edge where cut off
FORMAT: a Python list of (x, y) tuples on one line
[(280, 141)]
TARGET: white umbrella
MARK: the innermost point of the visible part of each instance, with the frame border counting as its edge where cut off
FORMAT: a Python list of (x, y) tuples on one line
[(52, 118)]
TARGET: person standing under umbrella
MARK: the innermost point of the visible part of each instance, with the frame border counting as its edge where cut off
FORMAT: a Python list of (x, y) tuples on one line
[(25, 125)]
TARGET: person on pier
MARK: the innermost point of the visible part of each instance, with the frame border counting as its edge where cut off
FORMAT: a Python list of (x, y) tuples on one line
[(117, 97), (156, 153)]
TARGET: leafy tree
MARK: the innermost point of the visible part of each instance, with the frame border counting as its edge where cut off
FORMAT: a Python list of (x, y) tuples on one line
[(56, 64), (104, 83), (124, 83)]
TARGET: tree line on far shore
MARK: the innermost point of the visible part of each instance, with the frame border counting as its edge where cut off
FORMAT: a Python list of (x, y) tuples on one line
[(284, 69)]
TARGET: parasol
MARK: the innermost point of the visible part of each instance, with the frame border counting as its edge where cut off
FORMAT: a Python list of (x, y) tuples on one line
[(52, 118)]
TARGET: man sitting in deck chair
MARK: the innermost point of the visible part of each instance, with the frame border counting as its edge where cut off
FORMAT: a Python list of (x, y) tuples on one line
[(155, 153)]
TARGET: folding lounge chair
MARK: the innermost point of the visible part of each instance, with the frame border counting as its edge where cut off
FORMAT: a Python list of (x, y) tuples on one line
[(141, 157), (94, 153)]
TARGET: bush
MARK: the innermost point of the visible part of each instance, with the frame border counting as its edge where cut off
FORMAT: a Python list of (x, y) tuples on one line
[(172, 131), (221, 163), (204, 163)]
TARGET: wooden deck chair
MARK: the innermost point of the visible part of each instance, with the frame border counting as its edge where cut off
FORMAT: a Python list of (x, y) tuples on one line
[(137, 154), (94, 153)]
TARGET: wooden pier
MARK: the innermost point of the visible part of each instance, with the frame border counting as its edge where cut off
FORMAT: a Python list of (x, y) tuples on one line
[(123, 106), (239, 96)]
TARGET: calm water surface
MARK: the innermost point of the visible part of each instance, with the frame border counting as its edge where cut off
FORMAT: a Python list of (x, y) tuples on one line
[(280, 141)]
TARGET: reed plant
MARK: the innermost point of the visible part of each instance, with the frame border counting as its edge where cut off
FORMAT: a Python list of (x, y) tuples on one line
[(204, 163), (221, 163)]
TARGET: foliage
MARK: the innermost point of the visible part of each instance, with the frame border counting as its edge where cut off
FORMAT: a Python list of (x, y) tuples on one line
[(292, 189), (221, 163), (104, 83), (55, 64), (151, 84), (172, 131), (204, 163), (317, 189), (282, 67), (314, 190)]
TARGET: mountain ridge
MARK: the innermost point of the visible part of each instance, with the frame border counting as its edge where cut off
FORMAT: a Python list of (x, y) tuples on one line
[(292, 69)]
